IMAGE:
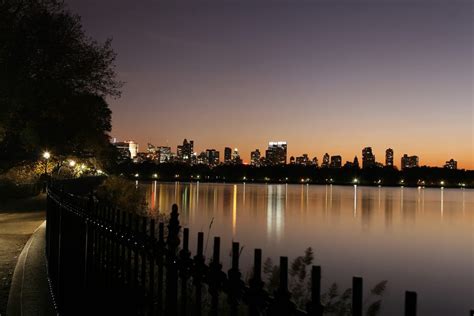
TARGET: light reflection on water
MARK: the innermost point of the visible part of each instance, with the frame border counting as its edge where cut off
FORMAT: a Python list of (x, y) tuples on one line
[(418, 239)]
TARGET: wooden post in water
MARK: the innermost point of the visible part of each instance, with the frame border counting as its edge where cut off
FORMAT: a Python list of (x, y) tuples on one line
[(184, 267), (151, 269), (235, 284), (282, 304), (215, 276), (314, 307), (159, 261), (256, 295), (410, 303), (357, 296), (199, 270), (171, 263)]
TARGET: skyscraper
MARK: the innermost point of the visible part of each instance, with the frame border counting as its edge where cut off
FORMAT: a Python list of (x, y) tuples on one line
[(212, 156), (255, 157), (336, 161), (368, 158), (325, 163), (227, 155), (409, 161), (389, 157), (185, 152), (236, 157), (276, 153), (164, 153), (355, 164)]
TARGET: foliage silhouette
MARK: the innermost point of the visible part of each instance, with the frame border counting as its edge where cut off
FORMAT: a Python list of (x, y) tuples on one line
[(53, 84), (335, 301)]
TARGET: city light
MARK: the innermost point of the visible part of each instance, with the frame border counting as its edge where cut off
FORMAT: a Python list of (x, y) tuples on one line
[(72, 163), (99, 171), (442, 183), (356, 180), (136, 175), (46, 155), (155, 175)]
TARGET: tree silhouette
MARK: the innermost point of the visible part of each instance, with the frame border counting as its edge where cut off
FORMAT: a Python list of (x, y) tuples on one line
[(54, 81)]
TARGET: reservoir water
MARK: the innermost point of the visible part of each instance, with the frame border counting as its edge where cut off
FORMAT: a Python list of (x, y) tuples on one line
[(418, 239)]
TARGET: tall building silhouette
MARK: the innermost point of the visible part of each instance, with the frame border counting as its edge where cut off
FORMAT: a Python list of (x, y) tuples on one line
[(368, 158), (389, 157), (212, 156), (255, 157), (227, 155), (276, 153), (185, 152), (325, 163), (409, 162), (336, 162)]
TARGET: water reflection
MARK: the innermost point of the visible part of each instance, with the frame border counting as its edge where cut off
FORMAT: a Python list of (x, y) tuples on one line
[(405, 235), (275, 211)]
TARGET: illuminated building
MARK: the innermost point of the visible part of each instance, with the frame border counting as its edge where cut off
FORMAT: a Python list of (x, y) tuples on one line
[(255, 157), (325, 163), (236, 157), (368, 158), (127, 149), (212, 156), (389, 157), (227, 155), (409, 161), (185, 152), (164, 154), (302, 160), (276, 153), (336, 162)]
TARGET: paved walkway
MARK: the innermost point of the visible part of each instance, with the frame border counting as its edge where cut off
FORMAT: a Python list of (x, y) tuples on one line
[(18, 220), (29, 292)]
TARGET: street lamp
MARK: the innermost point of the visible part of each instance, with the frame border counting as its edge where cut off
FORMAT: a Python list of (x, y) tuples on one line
[(46, 156)]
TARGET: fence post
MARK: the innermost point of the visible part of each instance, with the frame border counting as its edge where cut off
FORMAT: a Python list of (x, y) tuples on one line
[(356, 296), (159, 261), (235, 284), (314, 307), (282, 304), (171, 264), (256, 295), (184, 267), (151, 262), (216, 276), (198, 273), (410, 303)]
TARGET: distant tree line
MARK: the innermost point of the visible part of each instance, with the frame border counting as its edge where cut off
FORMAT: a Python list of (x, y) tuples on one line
[(422, 176)]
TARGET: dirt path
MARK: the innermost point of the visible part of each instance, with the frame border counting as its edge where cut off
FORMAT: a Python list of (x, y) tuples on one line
[(18, 221)]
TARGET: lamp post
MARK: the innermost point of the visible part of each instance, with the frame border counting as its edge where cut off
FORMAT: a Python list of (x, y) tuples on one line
[(46, 156)]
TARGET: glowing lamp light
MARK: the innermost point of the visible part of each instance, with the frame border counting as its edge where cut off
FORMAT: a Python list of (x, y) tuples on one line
[(442, 183), (155, 175), (46, 155), (356, 180), (72, 163), (136, 175), (99, 171)]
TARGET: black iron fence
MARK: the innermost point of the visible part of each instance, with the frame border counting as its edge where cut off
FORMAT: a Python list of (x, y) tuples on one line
[(105, 261)]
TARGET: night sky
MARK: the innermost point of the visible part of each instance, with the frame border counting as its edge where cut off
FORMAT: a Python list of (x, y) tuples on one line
[(326, 76)]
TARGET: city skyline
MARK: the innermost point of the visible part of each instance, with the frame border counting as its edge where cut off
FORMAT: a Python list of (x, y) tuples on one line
[(367, 156), (320, 75)]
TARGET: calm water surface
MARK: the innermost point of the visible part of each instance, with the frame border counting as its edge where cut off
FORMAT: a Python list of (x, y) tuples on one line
[(417, 239)]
